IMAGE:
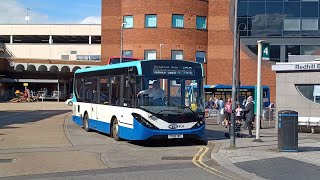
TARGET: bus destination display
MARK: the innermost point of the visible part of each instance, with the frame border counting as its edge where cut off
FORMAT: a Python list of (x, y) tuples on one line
[(173, 70)]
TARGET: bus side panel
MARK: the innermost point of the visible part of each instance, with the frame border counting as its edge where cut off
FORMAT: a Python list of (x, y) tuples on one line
[(78, 113), (105, 114), (76, 116)]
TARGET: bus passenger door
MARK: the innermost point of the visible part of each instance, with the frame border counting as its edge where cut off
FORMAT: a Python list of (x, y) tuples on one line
[(94, 101)]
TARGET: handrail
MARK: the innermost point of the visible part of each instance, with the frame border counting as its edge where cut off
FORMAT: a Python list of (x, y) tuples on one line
[(10, 54)]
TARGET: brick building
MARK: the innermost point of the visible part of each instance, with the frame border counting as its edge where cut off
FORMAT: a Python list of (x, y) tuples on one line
[(195, 30)]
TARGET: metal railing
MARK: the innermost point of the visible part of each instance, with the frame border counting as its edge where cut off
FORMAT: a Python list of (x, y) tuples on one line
[(8, 55)]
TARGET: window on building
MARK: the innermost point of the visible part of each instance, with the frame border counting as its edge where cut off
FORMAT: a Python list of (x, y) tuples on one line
[(309, 24), (309, 50), (292, 50), (65, 57), (150, 54), (128, 20), (177, 21), (292, 24), (201, 56), (151, 21), (127, 53), (201, 22), (177, 55), (310, 92)]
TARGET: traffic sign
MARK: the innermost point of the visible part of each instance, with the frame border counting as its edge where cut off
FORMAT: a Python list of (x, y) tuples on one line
[(265, 51)]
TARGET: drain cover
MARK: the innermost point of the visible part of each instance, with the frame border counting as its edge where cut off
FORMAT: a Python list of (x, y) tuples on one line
[(176, 158), (7, 160)]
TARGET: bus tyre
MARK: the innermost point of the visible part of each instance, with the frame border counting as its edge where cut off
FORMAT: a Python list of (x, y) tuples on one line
[(86, 123), (115, 130)]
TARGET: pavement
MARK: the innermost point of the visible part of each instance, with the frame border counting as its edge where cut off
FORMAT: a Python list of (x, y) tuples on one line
[(263, 160), (32, 141)]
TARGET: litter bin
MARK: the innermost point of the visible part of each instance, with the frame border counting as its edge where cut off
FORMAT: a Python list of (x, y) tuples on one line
[(265, 114), (220, 117), (288, 131)]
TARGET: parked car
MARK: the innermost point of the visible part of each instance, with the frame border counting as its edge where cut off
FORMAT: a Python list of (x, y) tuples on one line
[(69, 102)]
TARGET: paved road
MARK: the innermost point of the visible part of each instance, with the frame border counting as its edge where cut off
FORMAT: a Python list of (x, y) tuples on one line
[(185, 171), (41, 139)]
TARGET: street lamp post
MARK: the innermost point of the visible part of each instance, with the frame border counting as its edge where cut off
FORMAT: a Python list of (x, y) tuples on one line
[(161, 51), (238, 60), (121, 41), (27, 17), (262, 51), (163, 80), (234, 63)]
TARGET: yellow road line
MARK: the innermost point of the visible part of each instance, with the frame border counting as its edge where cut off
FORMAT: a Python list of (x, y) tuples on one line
[(201, 162), (197, 160)]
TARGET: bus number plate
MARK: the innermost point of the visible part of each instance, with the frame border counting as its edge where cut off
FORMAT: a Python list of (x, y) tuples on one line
[(175, 136)]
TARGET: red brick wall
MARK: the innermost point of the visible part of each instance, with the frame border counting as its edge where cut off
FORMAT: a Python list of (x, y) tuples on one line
[(217, 40), (138, 39)]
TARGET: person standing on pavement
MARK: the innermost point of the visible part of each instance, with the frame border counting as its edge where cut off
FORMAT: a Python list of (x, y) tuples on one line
[(227, 111), (220, 111), (249, 114)]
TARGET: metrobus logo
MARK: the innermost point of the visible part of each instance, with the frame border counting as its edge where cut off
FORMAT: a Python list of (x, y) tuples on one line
[(175, 126)]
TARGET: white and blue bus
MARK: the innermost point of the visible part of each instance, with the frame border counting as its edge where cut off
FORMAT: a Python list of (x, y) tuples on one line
[(105, 99)]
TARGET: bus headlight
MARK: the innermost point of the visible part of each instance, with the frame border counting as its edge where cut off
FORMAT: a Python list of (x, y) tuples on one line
[(143, 121), (200, 122)]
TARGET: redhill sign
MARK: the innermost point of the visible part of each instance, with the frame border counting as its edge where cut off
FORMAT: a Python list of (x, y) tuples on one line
[(296, 66), (307, 67)]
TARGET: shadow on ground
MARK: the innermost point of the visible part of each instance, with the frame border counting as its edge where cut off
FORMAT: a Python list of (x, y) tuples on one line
[(308, 149), (22, 117)]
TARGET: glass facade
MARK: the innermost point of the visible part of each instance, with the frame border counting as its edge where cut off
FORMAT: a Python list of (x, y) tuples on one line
[(279, 18)]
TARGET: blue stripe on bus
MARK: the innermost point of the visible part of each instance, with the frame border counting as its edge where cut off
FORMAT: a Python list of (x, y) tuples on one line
[(142, 133), (139, 132), (77, 120)]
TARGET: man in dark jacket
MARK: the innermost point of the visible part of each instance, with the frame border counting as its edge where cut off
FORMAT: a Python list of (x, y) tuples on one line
[(249, 114)]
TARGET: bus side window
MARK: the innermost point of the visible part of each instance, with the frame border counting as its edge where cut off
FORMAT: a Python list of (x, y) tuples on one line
[(115, 92), (104, 90), (87, 90), (128, 93)]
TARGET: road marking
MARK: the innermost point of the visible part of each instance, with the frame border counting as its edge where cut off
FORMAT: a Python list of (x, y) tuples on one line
[(197, 160)]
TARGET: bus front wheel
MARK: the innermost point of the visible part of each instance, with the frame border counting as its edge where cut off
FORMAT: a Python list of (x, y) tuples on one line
[(115, 130), (86, 123)]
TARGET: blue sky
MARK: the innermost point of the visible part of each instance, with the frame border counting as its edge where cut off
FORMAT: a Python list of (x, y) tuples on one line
[(50, 11)]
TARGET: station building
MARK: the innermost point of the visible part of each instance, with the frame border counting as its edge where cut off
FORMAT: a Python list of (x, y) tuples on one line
[(202, 31), (44, 57)]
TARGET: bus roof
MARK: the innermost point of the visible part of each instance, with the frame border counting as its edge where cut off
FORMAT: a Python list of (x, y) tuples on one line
[(112, 66), (230, 86), (128, 64)]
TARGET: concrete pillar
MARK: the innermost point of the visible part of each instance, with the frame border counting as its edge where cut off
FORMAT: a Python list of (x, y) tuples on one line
[(11, 39), (89, 39), (50, 39), (282, 53)]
